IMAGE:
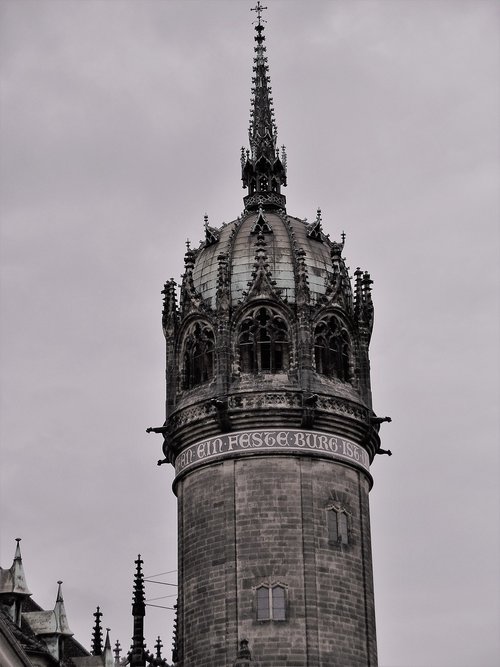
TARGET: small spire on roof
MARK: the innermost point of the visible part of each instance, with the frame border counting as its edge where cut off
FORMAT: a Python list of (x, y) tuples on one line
[(13, 580), (137, 653), (158, 647), (97, 633), (107, 643), (60, 612), (315, 230), (117, 651)]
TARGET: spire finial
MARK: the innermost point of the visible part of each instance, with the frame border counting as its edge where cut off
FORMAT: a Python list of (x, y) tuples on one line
[(158, 647), (263, 172), (259, 9), (17, 555)]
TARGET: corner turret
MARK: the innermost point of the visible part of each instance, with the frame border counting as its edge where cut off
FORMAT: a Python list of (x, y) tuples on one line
[(13, 587)]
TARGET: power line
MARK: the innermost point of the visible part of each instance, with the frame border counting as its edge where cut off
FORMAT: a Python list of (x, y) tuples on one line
[(163, 583), (160, 606), (172, 595), (160, 574)]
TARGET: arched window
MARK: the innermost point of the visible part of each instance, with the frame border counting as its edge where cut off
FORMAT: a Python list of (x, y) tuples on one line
[(332, 349), (338, 530), (279, 603), (198, 355), (271, 603), (263, 342)]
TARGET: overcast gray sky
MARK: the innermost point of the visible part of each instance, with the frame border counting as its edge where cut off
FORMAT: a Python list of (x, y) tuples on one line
[(121, 124)]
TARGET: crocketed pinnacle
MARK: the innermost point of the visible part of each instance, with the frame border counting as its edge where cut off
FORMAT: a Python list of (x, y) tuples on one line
[(263, 172), (137, 654), (263, 131), (97, 633)]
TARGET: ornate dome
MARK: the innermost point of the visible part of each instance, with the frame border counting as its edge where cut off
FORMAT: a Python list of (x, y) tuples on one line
[(284, 239), (269, 325)]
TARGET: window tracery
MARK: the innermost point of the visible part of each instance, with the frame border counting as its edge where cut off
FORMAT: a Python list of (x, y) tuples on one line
[(198, 356), (263, 342), (332, 349)]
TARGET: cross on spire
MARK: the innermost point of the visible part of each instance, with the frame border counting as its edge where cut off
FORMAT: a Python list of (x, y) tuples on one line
[(258, 8)]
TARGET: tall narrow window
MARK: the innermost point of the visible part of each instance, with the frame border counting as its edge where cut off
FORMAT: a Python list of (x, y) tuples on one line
[(338, 531), (263, 608), (271, 603), (264, 342), (279, 606), (198, 355), (332, 349)]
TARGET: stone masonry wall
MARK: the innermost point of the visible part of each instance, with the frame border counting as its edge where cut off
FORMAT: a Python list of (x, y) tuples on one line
[(263, 520)]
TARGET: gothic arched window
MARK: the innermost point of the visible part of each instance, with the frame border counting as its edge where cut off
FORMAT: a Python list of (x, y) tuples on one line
[(264, 342), (332, 352), (198, 355)]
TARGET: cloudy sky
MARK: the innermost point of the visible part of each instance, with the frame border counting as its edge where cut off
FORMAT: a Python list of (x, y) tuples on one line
[(121, 124)]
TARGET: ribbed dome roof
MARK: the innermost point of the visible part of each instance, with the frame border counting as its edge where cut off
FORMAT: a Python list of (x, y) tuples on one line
[(285, 237)]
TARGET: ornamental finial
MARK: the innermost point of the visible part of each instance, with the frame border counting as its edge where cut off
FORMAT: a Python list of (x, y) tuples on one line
[(259, 9)]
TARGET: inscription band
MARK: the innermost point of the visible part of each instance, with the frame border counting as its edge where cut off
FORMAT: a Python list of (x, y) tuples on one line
[(272, 441)]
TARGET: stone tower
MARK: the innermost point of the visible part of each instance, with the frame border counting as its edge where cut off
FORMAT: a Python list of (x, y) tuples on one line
[(271, 430)]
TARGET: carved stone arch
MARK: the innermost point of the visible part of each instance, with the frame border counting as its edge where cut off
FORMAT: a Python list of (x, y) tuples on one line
[(263, 339), (333, 346), (196, 358)]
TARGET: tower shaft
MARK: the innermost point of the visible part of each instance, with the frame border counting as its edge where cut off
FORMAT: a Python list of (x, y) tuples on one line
[(271, 432)]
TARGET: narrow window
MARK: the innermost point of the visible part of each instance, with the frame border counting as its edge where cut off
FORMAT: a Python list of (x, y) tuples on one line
[(198, 356), (279, 609), (338, 532), (332, 350), (263, 608), (333, 531), (342, 522)]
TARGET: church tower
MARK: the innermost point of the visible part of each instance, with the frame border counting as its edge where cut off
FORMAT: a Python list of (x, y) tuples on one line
[(271, 430)]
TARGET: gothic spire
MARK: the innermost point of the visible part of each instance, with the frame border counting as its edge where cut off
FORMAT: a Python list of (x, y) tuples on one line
[(97, 633), (137, 655), (263, 172)]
